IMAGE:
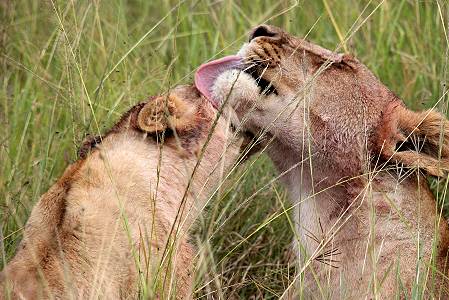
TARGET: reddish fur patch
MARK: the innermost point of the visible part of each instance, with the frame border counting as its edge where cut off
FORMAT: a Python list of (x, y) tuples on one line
[(386, 132)]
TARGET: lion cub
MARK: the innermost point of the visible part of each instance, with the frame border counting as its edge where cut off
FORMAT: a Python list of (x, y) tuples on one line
[(119, 216)]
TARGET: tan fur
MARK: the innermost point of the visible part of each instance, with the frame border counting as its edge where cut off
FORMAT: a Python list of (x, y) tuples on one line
[(366, 219), (102, 228), (166, 112)]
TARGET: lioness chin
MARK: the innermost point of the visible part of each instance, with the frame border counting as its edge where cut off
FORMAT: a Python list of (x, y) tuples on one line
[(118, 218), (352, 158)]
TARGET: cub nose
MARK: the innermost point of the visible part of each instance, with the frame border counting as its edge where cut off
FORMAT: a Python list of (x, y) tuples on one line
[(264, 30)]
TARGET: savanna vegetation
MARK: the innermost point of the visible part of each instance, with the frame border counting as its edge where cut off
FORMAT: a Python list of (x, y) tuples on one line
[(71, 68)]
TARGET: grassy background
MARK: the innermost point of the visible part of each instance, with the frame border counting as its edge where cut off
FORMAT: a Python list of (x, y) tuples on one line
[(68, 68)]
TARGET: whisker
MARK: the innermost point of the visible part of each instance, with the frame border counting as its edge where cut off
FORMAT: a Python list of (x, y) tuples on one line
[(263, 72), (315, 238), (330, 252), (321, 226), (331, 265), (312, 237), (327, 260)]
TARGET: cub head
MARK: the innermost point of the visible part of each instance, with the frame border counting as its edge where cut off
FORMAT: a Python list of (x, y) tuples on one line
[(312, 102)]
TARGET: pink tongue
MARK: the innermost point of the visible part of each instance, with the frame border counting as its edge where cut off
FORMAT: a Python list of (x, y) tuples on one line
[(208, 73)]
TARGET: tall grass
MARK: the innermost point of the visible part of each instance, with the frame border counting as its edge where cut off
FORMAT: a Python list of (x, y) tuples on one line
[(69, 68)]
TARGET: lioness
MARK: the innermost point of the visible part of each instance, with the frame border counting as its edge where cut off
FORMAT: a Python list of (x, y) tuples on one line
[(351, 155), (118, 217)]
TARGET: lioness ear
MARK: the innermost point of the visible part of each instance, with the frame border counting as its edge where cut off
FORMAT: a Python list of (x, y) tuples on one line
[(423, 141), (166, 112)]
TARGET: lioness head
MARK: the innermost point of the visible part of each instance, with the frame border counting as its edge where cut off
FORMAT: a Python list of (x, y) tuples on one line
[(317, 103), (181, 119)]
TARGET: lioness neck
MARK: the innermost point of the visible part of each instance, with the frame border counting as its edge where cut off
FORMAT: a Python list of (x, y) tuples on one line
[(138, 169), (374, 224)]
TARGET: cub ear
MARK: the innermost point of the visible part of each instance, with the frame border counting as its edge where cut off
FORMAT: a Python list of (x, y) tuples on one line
[(166, 112), (423, 141)]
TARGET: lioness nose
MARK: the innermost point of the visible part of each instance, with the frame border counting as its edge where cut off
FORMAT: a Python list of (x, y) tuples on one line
[(264, 30)]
